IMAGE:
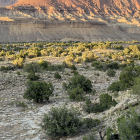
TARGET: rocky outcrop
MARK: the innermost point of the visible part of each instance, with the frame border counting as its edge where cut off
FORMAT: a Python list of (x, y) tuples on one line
[(124, 105), (26, 32), (55, 20), (101, 7)]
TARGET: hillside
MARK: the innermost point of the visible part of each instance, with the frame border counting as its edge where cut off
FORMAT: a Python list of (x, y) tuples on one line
[(105, 7), (93, 68), (41, 20)]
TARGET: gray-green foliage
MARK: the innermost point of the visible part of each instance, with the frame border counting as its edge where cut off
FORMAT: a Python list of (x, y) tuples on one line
[(61, 122), (38, 91), (57, 75), (32, 67), (78, 85), (81, 82), (76, 94), (111, 73), (136, 87), (129, 126), (106, 102), (126, 78), (32, 76), (90, 123), (109, 133)]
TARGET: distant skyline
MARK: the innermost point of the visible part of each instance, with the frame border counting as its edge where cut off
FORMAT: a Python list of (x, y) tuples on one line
[(7, 2)]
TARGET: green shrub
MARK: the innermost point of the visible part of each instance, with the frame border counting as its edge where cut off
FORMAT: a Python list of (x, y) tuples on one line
[(110, 135), (55, 68), (5, 69), (81, 82), (122, 66), (127, 79), (89, 122), (90, 107), (111, 73), (19, 103), (128, 75), (61, 122), (118, 47), (72, 67), (113, 65), (57, 76), (97, 65), (136, 87), (32, 67), (44, 64), (32, 76), (116, 86), (38, 91), (94, 64), (114, 137), (90, 60), (76, 94), (97, 74), (128, 126), (74, 72), (105, 103), (64, 86), (18, 73), (105, 66)]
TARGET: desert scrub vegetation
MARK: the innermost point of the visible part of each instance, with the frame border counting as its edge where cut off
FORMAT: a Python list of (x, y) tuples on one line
[(65, 58), (57, 75), (105, 65), (19, 103), (77, 86), (128, 127), (38, 91), (62, 122), (32, 67), (111, 73), (6, 68), (73, 52), (65, 121), (105, 102), (42, 65), (32, 76), (126, 79)]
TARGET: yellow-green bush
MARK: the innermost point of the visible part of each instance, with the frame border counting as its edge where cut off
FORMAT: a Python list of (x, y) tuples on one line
[(44, 52), (18, 62), (78, 60)]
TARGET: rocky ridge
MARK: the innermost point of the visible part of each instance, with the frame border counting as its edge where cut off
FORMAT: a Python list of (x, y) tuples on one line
[(49, 20)]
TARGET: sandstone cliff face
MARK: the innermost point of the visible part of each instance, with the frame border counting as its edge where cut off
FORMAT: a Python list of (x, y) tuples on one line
[(86, 20), (105, 7), (26, 32)]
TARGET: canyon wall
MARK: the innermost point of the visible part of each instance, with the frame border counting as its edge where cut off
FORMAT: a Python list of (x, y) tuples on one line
[(26, 32), (56, 20)]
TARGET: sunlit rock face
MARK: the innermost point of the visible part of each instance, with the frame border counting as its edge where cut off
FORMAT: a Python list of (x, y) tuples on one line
[(108, 7), (84, 20)]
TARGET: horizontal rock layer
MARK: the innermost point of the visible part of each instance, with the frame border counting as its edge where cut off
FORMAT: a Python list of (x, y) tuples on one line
[(26, 32)]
